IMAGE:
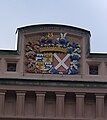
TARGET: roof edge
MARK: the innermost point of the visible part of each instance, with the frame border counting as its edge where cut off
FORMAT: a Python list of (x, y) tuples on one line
[(9, 52), (97, 55), (60, 25)]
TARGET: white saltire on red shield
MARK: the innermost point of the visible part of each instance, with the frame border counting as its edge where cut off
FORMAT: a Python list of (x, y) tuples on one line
[(61, 61)]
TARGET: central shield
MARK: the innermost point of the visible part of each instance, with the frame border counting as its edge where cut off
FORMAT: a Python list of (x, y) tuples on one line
[(61, 62)]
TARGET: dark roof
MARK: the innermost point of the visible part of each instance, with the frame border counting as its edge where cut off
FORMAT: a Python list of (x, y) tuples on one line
[(53, 25), (97, 55), (9, 52)]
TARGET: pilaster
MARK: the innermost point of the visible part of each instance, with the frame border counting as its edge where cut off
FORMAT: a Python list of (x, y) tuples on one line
[(99, 106), (80, 105), (2, 102), (40, 99), (20, 103), (60, 104)]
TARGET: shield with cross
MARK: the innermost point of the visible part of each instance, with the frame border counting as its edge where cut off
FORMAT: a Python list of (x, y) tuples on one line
[(61, 62)]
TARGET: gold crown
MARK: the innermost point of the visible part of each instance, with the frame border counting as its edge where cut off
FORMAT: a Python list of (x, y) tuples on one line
[(53, 49)]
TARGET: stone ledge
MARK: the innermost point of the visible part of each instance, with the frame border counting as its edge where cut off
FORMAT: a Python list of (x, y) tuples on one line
[(53, 83)]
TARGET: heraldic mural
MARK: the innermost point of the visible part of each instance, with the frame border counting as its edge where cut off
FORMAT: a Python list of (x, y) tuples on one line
[(52, 55)]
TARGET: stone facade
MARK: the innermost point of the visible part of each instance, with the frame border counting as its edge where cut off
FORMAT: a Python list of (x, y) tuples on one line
[(53, 76)]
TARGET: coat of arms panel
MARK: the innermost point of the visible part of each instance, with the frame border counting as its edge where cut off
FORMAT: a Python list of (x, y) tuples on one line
[(48, 53)]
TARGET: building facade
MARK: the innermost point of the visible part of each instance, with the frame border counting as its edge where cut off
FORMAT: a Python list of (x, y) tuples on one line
[(53, 76)]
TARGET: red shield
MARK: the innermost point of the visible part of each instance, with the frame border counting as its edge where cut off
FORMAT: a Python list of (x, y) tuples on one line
[(61, 62)]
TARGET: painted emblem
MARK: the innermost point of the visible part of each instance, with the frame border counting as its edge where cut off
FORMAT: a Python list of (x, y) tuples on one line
[(61, 62), (52, 55)]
